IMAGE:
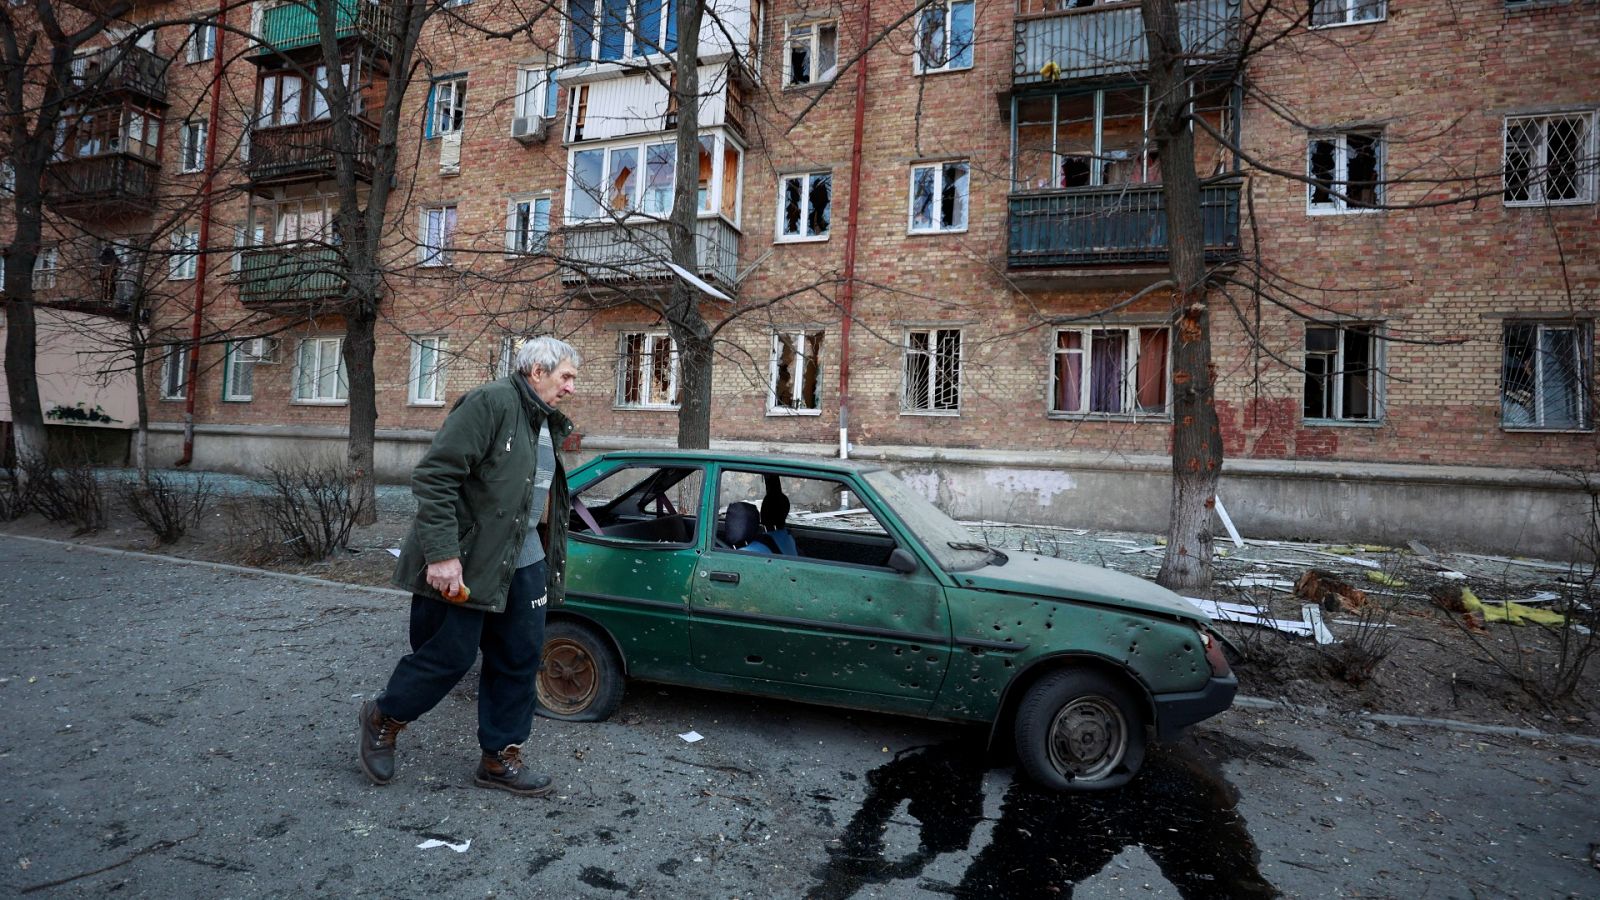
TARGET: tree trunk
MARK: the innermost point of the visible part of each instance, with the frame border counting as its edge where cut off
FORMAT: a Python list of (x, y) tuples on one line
[(22, 380), (1196, 437), (359, 345), (688, 327)]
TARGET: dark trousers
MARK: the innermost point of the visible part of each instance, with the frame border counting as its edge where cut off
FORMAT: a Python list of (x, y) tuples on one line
[(445, 639)]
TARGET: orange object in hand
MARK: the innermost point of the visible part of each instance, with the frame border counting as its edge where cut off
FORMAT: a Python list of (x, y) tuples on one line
[(459, 596)]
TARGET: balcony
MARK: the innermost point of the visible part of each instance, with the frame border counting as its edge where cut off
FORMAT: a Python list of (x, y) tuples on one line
[(110, 185), (617, 254), (1111, 226), (129, 69), (290, 275), (305, 151), (1109, 39), (295, 26)]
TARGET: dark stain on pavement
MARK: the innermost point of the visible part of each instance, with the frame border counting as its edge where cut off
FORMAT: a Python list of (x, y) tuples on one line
[(1179, 810), (594, 876)]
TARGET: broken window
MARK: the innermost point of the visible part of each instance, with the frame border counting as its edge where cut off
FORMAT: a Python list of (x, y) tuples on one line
[(944, 37), (1343, 373), (647, 373), (1345, 172), (1345, 12), (813, 54), (939, 196), (795, 372), (1098, 137), (1550, 159), (44, 267), (805, 206), (175, 372), (1111, 371), (612, 30), (527, 224), (447, 105), (1545, 383), (932, 371)]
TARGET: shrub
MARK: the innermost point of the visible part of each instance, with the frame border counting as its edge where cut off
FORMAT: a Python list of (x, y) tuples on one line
[(166, 506), (69, 494), (309, 510)]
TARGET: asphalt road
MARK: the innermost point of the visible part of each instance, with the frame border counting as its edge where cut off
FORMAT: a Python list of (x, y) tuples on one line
[(177, 730)]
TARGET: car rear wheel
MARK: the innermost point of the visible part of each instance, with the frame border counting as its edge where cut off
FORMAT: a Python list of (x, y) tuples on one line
[(1078, 730), (580, 679)]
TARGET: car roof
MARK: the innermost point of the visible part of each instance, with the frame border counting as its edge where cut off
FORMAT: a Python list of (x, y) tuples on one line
[(815, 463)]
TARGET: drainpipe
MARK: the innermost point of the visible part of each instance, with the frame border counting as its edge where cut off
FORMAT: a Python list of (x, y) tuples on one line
[(848, 296), (193, 374)]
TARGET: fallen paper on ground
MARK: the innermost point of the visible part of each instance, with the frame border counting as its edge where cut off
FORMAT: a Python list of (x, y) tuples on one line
[(690, 737), (431, 843)]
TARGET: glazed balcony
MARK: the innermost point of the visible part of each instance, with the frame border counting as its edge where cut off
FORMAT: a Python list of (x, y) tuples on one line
[(295, 26), (617, 254), (306, 151), (1108, 38), (129, 70), (290, 276), (110, 185), (1122, 225)]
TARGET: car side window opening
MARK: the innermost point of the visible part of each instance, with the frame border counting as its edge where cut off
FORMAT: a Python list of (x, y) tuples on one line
[(644, 504), (791, 515)]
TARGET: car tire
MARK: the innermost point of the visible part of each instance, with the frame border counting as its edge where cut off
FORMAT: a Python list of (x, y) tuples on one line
[(580, 676), (1078, 730)]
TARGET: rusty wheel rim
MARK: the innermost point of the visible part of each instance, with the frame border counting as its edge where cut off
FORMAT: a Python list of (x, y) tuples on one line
[(1088, 739), (569, 678)]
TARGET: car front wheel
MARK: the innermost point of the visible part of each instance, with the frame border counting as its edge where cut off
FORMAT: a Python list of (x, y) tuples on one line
[(580, 679), (1078, 730)]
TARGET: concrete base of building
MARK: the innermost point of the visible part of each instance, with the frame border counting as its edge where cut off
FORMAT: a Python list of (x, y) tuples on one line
[(1475, 509)]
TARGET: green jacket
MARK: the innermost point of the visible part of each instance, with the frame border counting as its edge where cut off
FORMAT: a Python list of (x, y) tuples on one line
[(473, 487)]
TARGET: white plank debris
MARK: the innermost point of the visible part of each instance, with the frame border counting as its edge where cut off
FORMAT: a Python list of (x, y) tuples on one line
[(1222, 513), (1310, 623)]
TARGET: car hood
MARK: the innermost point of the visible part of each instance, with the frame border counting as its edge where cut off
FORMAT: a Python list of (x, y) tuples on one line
[(1059, 579)]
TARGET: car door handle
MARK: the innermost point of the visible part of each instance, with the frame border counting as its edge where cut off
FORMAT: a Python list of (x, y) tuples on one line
[(728, 577)]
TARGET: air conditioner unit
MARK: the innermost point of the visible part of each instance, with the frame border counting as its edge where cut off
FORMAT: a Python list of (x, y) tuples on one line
[(529, 129), (262, 350)]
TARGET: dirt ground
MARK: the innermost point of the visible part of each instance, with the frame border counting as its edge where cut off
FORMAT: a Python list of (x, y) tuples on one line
[(1424, 660)]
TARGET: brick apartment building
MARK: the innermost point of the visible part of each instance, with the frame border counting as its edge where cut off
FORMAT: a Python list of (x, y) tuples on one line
[(1404, 342)]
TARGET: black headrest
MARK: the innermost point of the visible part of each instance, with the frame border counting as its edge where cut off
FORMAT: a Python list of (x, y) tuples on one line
[(744, 523), (774, 510)]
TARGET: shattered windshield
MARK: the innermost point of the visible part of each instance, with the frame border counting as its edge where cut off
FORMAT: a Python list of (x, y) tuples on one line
[(955, 548)]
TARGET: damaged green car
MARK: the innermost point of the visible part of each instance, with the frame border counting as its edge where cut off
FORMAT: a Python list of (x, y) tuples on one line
[(835, 582)]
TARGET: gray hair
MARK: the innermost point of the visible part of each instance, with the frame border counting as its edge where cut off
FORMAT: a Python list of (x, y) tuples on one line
[(544, 351)]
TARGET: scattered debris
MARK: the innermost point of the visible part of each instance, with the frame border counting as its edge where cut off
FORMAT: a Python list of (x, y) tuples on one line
[(1462, 600), (1419, 548), (1222, 513), (1384, 578), (395, 552), (431, 843), (1328, 590), (690, 737), (1310, 623)]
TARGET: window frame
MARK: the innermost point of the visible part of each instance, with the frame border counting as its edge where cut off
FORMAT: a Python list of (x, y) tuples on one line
[(646, 370), (234, 359), (341, 374), (1340, 182), (1537, 174), (1128, 397), (273, 107), (201, 44), (666, 36), (919, 65), (932, 354), (185, 262), (814, 45), (807, 180), (539, 84), (174, 373), (455, 105), (192, 143), (415, 376), (810, 342), (46, 265), (1339, 373), (529, 241), (939, 167), (1350, 8), (428, 255), (1583, 342)]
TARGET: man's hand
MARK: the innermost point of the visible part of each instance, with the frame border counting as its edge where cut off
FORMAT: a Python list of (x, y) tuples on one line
[(445, 576)]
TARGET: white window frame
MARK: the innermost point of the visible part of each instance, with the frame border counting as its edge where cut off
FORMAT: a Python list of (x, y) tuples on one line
[(1583, 343), (192, 147), (202, 43), (537, 91), (175, 372), (1335, 374), (447, 95), (809, 34), (918, 64), (631, 52), (524, 213), (1340, 183), (636, 200), (428, 254), (236, 362), (45, 265), (427, 387), (321, 107), (1589, 153), (282, 96), (806, 180), (931, 355), (649, 342), (808, 346), (319, 348), (1130, 381), (1349, 12), (938, 191), (185, 262)]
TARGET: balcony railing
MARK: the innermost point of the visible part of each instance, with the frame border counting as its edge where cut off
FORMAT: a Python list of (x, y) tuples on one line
[(621, 253), (129, 68), (1108, 40), (1112, 226), (306, 151), (292, 275), (294, 26), (101, 185)]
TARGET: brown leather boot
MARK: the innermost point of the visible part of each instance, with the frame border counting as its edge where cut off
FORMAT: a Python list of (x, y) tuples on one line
[(504, 770), (378, 733)]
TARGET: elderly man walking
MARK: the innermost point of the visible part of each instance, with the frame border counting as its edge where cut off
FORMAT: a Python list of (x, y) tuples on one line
[(485, 554)]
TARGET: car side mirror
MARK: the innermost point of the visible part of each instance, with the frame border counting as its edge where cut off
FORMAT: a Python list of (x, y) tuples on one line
[(902, 561)]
